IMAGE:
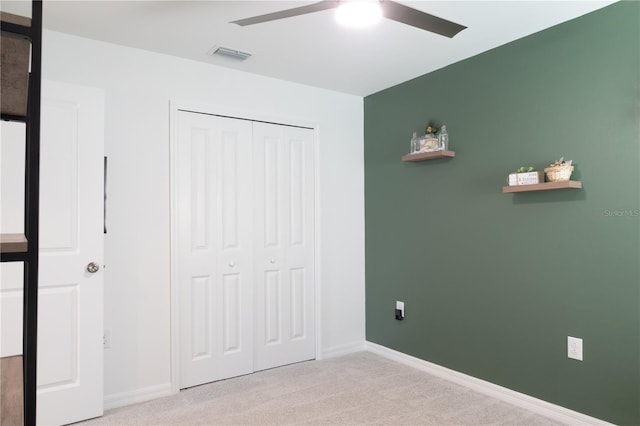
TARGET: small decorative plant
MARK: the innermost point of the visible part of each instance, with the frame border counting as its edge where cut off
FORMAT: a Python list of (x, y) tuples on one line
[(431, 129), (561, 163), (429, 141), (523, 169)]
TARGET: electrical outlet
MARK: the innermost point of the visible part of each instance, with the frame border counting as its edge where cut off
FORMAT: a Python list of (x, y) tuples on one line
[(399, 310), (106, 339), (574, 348)]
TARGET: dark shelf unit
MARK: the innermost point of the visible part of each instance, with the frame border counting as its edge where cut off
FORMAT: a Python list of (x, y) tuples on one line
[(24, 248)]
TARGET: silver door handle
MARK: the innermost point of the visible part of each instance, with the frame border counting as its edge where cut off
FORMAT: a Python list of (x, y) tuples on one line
[(93, 267)]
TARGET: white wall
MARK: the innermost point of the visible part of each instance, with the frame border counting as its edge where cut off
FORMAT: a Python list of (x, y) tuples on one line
[(138, 86)]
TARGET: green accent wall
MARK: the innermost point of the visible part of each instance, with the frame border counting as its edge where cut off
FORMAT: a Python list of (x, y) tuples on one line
[(494, 283)]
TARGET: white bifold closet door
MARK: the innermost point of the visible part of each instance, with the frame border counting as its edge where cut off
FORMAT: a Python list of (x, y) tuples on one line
[(245, 246), (283, 238), (215, 247)]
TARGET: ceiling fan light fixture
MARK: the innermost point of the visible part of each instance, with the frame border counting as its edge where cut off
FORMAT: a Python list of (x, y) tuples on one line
[(359, 13)]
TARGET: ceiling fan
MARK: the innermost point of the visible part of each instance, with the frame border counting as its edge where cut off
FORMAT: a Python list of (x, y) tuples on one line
[(390, 10)]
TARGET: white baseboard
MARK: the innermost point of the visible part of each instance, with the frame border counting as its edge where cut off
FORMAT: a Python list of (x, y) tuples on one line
[(345, 349), (152, 392), (135, 396), (535, 405)]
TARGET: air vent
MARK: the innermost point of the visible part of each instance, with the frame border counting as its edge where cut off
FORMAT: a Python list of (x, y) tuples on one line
[(229, 53)]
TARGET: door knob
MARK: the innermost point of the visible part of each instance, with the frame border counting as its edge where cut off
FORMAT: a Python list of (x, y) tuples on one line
[(272, 261), (93, 267), (232, 264)]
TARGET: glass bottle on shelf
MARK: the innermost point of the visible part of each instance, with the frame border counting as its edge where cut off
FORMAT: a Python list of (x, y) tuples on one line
[(415, 144), (443, 138)]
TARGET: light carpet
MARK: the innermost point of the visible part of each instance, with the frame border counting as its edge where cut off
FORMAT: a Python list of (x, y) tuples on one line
[(356, 389)]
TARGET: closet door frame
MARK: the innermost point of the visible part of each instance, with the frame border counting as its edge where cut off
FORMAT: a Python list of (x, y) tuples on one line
[(175, 107)]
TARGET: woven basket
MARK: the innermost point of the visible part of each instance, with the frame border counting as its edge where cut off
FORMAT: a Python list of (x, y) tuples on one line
[(558, 173)]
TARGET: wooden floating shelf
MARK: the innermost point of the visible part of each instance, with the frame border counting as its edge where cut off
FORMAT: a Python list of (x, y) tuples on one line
[(13, 243), (565, 184), (424, 156)]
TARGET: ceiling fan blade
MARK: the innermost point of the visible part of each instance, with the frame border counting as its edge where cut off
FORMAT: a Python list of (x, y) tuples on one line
[(416, 18), (296, 11)]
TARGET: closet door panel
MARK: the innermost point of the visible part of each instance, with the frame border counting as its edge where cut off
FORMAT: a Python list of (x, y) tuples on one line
[(284, 285), (215, 247)]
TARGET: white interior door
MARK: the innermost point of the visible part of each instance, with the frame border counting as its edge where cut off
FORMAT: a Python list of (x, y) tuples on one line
[(215, 247), (70, 367), (284, 243), (70, 309)]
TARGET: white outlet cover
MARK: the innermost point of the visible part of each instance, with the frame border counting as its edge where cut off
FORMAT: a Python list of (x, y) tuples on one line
[(574, 348)]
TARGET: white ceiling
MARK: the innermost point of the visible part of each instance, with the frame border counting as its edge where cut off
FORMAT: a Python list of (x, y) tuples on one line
[(311, 49)]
